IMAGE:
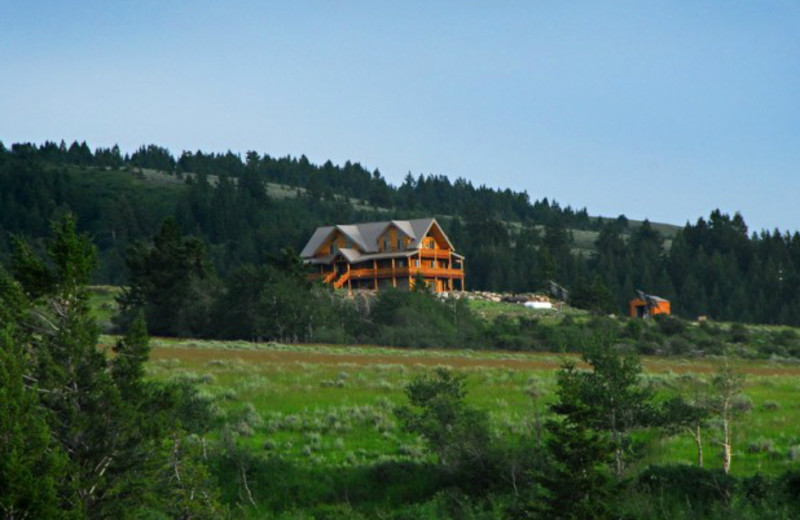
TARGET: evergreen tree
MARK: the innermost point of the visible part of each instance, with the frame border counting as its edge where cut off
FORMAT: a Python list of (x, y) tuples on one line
[(101, 415), (171, 281), (31, 464), (576, 482)]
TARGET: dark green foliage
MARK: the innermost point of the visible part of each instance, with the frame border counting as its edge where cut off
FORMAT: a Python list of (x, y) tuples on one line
[(576, 482), (171, 282), (152, 157), (94, 427), (609, 398), (593, 296), (700, 488), (272, 302), (456, 432), (670, 325), (710, 268), (31, 464), (418, 319), (739, 333)]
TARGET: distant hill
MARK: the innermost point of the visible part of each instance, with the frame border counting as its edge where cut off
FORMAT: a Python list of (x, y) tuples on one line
[(247, 209)]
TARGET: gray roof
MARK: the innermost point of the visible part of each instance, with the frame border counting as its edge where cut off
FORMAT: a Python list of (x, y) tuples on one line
[(358, 258), (365, 238)]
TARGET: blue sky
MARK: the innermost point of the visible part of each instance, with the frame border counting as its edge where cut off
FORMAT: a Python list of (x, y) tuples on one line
[(664, 110)]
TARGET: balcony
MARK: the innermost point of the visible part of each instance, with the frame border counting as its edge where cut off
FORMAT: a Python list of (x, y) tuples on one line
[(400, 272), (439, 254)]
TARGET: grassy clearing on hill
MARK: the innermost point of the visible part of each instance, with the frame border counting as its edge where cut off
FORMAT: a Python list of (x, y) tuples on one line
[(332, 405)]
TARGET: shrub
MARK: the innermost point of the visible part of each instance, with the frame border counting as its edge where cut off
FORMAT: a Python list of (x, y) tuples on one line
[(794, 452), (785, 337), (701, 488), (738, 333), (679, 346), (670, 325), (742, 403), (761, 445), (633, 328), (244, 429)]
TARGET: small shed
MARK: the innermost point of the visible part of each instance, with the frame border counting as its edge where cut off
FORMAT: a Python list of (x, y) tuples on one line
[(647, 305)]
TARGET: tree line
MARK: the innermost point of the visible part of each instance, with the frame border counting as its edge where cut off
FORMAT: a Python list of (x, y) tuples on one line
[(714, 267)]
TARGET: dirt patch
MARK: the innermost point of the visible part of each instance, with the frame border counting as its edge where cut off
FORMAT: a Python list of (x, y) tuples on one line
[(526, 362), (203, 355)]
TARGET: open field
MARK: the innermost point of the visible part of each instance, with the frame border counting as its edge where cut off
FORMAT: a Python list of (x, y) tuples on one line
[(333, 404)]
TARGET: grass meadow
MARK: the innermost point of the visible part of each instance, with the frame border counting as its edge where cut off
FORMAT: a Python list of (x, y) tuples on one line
[(333, 405)]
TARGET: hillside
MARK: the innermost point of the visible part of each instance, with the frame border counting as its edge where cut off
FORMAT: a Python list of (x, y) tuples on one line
[(247, 210), (583, 240)]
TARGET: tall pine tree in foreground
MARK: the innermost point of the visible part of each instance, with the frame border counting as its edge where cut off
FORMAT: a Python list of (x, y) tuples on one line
[(99, 433)]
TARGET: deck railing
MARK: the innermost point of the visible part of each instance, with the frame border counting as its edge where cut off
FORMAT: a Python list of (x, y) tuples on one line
[(388, 272)]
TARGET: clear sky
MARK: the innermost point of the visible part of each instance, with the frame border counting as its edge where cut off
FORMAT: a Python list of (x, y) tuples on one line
[(661, 109)]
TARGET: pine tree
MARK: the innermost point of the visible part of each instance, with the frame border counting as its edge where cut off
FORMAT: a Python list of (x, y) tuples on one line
[(31, 464), (102, 416)]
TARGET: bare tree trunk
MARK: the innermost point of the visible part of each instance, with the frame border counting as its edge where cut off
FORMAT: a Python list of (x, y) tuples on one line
[(617, 436), (697, 435), (699, 441), (618, 460), (726, 445)]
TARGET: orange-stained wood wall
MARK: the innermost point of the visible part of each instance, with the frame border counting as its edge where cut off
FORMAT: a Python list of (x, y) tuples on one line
[(662, 307)]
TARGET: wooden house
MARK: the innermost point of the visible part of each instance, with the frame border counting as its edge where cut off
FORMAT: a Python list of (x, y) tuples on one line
[(378, 255), (647, 305)]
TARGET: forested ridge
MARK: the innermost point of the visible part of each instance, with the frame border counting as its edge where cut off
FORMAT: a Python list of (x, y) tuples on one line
[(715, 266)]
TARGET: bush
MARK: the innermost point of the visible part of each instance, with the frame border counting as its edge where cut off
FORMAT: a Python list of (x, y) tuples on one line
[(679, 346), (761, 445), (700, 488), (670, 325), (738, 333), (742, 403), (633, 328), (794, 452)]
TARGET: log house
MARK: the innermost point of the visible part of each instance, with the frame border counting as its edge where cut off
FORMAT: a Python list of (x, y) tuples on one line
[(378, 255)]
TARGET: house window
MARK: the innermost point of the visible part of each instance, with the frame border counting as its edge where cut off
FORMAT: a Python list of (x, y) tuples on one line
[(386, 245), (401, 263), (399, 243), (416, 263), (429, 243), (433, 264)]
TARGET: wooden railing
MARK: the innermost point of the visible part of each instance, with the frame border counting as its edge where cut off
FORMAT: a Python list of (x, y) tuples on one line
[(325, 277), (339, 282), (387, 272), (443, 254)]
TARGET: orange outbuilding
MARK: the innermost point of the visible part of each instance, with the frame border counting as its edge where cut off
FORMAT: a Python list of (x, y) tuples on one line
[(648, 305)]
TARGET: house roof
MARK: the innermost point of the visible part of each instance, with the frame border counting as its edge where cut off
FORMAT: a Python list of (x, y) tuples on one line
[(651, 297), (354, 257), (365, 238)]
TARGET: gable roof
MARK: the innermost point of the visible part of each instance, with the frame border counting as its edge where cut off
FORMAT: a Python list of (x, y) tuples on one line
[(366, 235)]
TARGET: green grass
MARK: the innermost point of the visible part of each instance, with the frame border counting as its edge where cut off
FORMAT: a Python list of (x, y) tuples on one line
[(103, 304), (333, 405)]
